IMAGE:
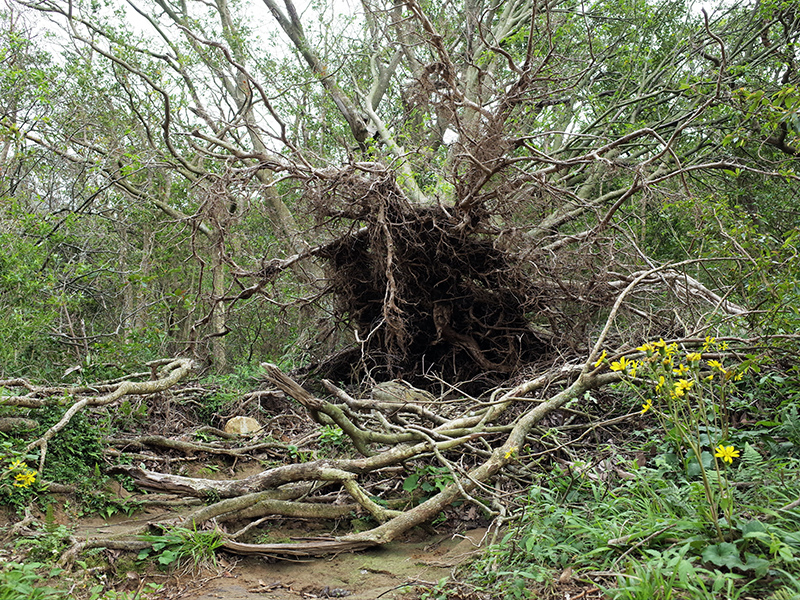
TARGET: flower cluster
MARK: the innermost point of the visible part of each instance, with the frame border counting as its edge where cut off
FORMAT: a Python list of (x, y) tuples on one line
[(687, 391), (679, 378), (23, 476)]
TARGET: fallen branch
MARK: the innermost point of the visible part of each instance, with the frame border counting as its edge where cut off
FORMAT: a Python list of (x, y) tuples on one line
[(500, 457), (172, 373), (188, 448)]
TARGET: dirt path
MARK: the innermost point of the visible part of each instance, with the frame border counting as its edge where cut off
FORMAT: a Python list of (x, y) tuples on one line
[(384, 572), (378, 573)]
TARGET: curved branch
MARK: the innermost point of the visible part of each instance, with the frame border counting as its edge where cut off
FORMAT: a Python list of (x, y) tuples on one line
[(173, 372)]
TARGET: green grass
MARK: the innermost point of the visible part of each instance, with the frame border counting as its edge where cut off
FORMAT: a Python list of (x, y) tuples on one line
[(650, 535), (22, 581), (180, 546)]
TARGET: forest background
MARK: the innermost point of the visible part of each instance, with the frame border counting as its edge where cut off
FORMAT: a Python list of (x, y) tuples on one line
[(522, 213)]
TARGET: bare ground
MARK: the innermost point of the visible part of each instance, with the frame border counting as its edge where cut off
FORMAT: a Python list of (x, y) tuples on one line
[(388, 572), (385, 572)]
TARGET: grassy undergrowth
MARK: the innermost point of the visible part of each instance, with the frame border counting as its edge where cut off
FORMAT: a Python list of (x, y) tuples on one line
[(648, 536), (696, 499), (712, 513)]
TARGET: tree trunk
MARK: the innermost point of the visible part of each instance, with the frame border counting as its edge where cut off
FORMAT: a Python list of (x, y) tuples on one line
[(218, 306)]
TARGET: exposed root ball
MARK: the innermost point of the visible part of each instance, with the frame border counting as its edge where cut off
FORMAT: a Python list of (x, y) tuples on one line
[(428, 292)]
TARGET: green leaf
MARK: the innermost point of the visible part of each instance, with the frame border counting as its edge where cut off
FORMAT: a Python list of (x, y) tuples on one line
[(168, 557), (530, 543), (685, 571), (752, 528), (757, 564), (410, 482), (785, 552), (723, 555)]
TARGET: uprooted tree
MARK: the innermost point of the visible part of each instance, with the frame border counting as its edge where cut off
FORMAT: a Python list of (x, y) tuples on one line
[(472, 191)]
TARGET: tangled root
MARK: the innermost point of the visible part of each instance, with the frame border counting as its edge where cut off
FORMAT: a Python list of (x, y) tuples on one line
[(427, 291)]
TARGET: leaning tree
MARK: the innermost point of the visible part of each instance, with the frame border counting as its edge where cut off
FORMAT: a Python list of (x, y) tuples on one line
[(473, 191)]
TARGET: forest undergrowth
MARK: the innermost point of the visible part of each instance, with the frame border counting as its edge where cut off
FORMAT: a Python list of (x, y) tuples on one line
[(677, 481)]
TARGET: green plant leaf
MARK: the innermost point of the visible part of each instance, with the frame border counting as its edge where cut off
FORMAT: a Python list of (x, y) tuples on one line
[(723, 555), (410, 482), (757, 564), (752, 528), (168, 557)]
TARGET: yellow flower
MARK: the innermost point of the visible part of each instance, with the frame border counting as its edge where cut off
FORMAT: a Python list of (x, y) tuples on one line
[(621, 365), (626, 366), (16, 465), (647, 406), (680, 387), (738, 376), (648, 347), (726, 453), (660, 384), (715, 364), (681, 369), (24, 479), (709, 342), (601, 359), (723, 345), (511, 452), (694, 356)]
